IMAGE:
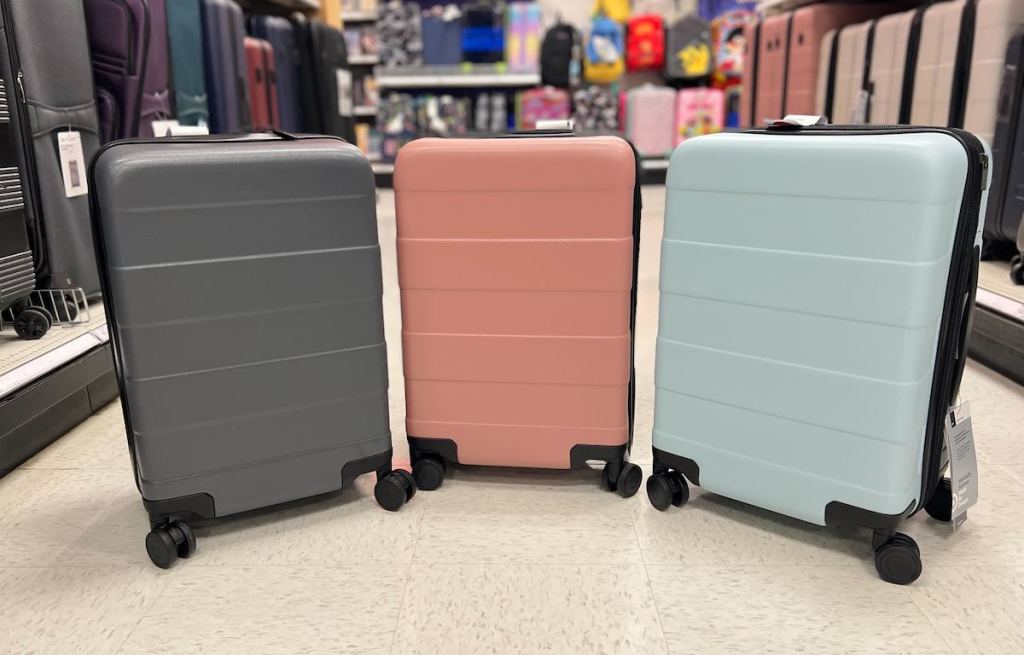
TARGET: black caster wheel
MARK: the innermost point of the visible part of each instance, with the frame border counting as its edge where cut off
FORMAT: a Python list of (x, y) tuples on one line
[(1017, 269), (32, 323), (610, 476), (940, 507), (167, 543), (630, 478), (667, 489), (429, 472), (898, 560), (394, 490), (63, 308)]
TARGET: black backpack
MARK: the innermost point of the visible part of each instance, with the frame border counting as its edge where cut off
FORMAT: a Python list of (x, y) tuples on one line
[(560, 56)]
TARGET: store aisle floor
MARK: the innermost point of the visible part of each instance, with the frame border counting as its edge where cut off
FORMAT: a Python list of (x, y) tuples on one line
[(501, 561)]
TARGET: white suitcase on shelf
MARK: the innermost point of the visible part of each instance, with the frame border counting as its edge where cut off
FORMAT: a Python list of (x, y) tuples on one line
[(995, 23), (847, 102), (936, 62), (893, 64)]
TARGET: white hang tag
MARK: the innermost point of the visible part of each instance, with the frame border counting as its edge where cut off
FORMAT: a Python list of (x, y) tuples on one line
[(801, 120), (72, 163), (859, 115), (345, 105), (963, 462), (164, 128)]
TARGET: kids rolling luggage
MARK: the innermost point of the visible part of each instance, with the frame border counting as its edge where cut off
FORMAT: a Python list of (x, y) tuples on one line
[(995, 23), (287, 67), (824, 399), (1006, 204), (222, 417), (650, 120), (56, 84), (517, 330), (748, 83), (699, 111), (943, 62), (128, 43), (850, 100), (259, 57), (772, 61), (224, 56), (893, 67), (185, 38)]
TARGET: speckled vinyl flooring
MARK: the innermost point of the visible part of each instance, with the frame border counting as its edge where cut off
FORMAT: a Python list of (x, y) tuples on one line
[(502, 561)]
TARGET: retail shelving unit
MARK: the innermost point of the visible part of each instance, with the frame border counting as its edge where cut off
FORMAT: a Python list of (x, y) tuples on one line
[(358, 17), (454, 77), (997, 334)]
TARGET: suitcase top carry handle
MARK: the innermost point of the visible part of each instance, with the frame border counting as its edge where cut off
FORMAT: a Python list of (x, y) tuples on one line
[(796, 122)]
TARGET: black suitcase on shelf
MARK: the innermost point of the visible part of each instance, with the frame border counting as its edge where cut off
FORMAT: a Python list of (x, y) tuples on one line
[(47, 90), (1003, 220), (326, 80)]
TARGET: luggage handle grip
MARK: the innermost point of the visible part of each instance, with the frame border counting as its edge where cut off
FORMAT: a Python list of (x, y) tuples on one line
[(796, 122)]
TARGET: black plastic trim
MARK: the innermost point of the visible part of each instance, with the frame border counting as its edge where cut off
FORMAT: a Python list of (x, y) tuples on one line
[(379, 463), (183, 508), (755, 56), (664, 460), (837, 514), (830, 88), (910, 65), (867, 85), (580, 454), (962, 67), (785, 62), (446, 448)]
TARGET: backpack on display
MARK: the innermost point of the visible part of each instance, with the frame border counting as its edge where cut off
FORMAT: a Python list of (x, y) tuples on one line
[(603, 61), (596, 108), (483, 34), (442, 34), (645, 43), (525, 25), (560, 56), (688, 50), (729, 41), (616, 10)]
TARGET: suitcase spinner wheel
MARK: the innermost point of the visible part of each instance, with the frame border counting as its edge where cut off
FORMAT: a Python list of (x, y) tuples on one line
[(897, 557), (1017, 269), (32, 323), (623, 478), (166, 543), (394, 489)]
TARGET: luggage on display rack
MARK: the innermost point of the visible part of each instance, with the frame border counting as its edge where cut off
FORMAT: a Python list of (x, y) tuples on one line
[(891, 77), (517, 330), (185, 38), (224, 56), (825, 88), (650, 120), (259, 57), (835, 393), (222, 416), (287, 67), (748, 83), (943, 62), (327, 85), (699, 111), (688, 55), (771, 67), (995, 23), (131, 67), (56, 85), (1006, 204), (850, 100)]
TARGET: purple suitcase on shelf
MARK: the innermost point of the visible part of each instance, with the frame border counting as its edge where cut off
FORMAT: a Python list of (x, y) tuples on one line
[(131, 65)]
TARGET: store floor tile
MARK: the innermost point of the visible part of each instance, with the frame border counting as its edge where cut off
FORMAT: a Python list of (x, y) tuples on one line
[(502, 560)]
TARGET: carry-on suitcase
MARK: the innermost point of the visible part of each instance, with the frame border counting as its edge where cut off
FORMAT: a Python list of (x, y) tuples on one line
[(828, 53), (224, 56), (329, 106), (56, 84), (893, 67), (259, 58), (185, 38), (131, 67), (287, 67), (850, 99), (699, 111), (1006, 205), (824, 400), (650, 120), (772, 61), (223, 416), (517, 330), (995, 23), (810, 25), (943, 64), (748, 83)]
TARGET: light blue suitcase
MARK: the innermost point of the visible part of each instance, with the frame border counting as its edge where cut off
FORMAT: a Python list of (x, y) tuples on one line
[(816, 293)]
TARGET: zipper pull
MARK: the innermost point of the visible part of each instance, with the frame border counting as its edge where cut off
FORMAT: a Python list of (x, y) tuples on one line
[(21, 87), (984, 171)]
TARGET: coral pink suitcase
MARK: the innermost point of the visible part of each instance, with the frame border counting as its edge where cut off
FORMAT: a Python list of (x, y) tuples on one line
[(699, 111), (748, 82), (810, 24), (650, 120), (771, 67), (517, 268)]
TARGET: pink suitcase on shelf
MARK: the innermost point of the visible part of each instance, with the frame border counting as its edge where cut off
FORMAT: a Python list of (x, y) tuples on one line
[(650, 120), (937, 62), (771, 67), (748, 82), (698, 112), (995, 22), (848, 101), (517, 268), (810, 25)]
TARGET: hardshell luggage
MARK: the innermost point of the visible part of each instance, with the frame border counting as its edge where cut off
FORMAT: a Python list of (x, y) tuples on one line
[(222, 417), (1006, 204), (224, 56), (772, 60), (849, 96), (259, 57), (185, 38), (287, 67), (748, 83), (943, 62), (699, 111), (650, 120), (995, 23), (131, 67), (330, 107), (891, 77), (517, 330), (824, 400), (810, 24), (56, 84)]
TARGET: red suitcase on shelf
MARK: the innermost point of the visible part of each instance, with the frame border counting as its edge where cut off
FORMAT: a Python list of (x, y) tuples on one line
[(773, 50), (259, 58)]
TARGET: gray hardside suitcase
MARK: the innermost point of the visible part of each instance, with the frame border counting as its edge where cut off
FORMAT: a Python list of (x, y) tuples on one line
[(208, 247), (54, 91)]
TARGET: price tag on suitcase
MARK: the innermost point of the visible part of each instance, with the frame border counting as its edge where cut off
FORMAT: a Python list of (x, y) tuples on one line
[(963, 462), (72, 163)]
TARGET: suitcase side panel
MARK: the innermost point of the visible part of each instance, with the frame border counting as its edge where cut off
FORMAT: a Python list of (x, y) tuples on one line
[(771, 67), (748, 82), (936, 59), (996, 22), (853, 42), (286, 234), (117, 35), (287, 63), (769, 395), (185, 40), (517, 364), (888, 64)]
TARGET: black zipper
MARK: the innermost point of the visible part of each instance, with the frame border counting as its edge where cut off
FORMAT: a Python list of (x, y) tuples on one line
[(28, 146), (961, 285)]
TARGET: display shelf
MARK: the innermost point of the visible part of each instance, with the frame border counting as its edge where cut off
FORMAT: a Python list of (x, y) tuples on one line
[(382, 168), (364, 60), (997, 333), (365, 111), (281, 5), (654, 164), (447, 77), (359, 16)]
